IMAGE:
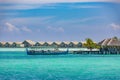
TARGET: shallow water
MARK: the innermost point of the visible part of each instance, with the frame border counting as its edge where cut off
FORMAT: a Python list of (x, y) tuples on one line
[(20, 66)]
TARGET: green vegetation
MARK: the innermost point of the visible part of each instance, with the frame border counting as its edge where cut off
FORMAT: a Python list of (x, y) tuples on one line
[(90, 44)]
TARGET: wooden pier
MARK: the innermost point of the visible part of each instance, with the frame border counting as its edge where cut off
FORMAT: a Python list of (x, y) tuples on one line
[(86, 52), (102, 51)]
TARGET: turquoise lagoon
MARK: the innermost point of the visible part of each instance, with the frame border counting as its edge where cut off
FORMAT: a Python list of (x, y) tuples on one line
[(17, 65)]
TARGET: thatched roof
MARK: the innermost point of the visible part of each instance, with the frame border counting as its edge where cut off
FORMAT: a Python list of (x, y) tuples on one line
[(114, 42), (3, 43), (45, 43), (66, 42), (110, 42), (9, 43), (57, 42), (101, 42), (41, 43), (30, 42), (49, 43), (38, 43), (75, 42)]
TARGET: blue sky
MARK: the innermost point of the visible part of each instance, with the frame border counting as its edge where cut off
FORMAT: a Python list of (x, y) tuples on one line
[(55, 20)]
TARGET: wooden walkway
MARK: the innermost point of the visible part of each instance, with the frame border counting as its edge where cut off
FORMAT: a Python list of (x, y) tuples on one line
[(96, 52)]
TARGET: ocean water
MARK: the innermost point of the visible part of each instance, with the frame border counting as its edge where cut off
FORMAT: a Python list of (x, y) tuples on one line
[(20, 66)]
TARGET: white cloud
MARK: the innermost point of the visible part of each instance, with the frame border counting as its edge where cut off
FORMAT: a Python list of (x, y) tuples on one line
[(11, 27), (52, 1), (115, 26), (56, 29), (26, 29)]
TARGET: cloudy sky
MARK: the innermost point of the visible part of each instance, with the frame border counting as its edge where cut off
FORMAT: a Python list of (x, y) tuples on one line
[(59, 20)]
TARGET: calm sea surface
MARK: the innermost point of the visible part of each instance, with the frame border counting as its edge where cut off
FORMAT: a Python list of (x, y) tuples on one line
[(20, 66)]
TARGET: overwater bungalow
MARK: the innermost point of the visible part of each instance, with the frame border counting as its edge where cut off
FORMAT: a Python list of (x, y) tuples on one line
[(28, 43), (38, 44), (63, 44), (111, 45), (45, 44), (105, 42), (50, 43), (79, 44), (71, 44), (55, 44), (58, 43), (17, 44), (8, 44), (110, 42), (2, 44)]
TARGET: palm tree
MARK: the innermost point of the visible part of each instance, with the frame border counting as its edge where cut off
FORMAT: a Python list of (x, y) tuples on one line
[(90, 44)]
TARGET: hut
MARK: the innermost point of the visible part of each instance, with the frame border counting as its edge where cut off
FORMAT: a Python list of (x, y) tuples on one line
[(17, 44), (8, 44), (71, 44), (28, 43), (111, 45), (63, 44), (104, 42), (45, 44), (2, 44), (49, 43), (58, 43), (38, 44), (55, 44), (110, 42), (113, 42), (79, 44)]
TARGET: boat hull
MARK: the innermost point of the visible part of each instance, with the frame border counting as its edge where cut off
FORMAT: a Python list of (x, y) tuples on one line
[(46, 53)]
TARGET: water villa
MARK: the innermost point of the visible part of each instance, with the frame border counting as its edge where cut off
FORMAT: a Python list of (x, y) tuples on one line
[(17, 44), (28, 43), (110, 46), (55, 44), (39, 43), (2, 44), (8, 44)]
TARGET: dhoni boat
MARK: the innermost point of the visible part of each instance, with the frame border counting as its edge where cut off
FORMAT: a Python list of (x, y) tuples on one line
[(45, 50)]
